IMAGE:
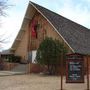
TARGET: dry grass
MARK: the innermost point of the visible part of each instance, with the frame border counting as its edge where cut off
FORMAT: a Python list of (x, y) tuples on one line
[(36, 82)]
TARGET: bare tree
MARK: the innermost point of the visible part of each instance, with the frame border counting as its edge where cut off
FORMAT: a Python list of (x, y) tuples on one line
[(3, 7), (4, 39)]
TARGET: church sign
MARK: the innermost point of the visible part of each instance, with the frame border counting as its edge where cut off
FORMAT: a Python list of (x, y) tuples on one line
[(75, 68)]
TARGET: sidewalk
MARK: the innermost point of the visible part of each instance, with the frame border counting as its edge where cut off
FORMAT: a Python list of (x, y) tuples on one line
[(8, 73)]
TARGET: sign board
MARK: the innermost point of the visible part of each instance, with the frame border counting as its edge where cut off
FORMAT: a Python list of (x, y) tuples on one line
[(75, 68)]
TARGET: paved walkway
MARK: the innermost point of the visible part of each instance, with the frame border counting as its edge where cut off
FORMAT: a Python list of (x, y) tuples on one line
[(8, 73)]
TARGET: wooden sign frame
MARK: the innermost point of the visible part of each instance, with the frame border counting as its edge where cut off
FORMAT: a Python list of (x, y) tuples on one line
[(75, 69)]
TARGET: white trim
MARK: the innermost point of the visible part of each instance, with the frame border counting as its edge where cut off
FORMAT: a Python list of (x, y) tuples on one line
[(54, 28)]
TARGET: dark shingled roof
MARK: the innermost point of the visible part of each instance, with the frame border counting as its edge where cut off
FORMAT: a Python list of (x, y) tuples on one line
[(77, 36)]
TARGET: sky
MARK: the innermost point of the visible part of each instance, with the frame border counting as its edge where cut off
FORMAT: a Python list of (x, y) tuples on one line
[(75, 10)]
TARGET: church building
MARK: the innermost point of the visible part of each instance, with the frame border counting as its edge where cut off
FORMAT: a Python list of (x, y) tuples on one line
[(39, 23)]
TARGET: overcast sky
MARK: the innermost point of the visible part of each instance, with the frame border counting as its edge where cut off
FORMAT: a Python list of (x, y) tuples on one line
[(76, 10)]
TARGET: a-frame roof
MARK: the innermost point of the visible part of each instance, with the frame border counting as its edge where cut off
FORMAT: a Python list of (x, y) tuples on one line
[(76, 36)]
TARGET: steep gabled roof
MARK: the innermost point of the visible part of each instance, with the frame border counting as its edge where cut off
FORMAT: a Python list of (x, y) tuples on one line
[(75, 35)]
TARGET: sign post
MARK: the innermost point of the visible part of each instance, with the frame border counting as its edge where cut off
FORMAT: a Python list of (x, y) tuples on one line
[(75, 69), (87, 74), (61, 71)]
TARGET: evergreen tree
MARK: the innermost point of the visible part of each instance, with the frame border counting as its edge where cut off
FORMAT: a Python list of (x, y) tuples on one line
[(49, 53)]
